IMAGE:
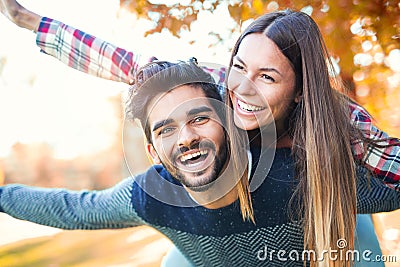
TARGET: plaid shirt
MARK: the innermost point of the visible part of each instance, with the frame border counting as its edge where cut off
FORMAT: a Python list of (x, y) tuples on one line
[(94, 56)]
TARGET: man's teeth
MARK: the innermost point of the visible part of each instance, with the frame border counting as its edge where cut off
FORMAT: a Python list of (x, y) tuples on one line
[(193, 155), (248, 107)]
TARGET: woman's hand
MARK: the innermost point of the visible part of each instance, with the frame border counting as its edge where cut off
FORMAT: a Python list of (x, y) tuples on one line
[(19, 15)]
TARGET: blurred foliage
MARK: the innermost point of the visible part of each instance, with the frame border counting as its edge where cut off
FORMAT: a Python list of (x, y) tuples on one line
[(139, 246), (359, 34), (174, 17), (36, 164)]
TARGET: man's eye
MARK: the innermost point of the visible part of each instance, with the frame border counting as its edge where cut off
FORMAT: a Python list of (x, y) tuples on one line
[(200, 119), (166, 130)]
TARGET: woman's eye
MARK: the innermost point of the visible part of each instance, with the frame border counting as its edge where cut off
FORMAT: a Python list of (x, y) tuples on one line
[(238, 67), (267, 77)]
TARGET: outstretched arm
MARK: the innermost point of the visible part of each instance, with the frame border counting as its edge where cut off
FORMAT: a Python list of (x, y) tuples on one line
[(373, 195), (383, 158), (83, 51), (92, 55), (76, 48), (19, 15), (65, 209)]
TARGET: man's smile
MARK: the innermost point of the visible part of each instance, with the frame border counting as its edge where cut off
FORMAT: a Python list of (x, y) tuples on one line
[(195, 160), (193, 156)]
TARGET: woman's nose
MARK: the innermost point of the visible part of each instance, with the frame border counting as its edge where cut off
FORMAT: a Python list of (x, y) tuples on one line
[(241, 83), (245, 86)]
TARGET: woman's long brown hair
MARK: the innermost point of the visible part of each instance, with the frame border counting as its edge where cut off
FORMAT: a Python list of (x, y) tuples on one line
[(320, 129)]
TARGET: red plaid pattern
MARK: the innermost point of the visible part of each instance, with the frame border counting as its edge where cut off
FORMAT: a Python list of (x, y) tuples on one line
[(382, 160)]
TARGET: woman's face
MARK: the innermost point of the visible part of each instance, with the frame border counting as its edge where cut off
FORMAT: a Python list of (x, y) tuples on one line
[(261, 84)]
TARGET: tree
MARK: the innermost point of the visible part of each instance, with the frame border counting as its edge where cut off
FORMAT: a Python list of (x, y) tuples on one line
[(362, 36)]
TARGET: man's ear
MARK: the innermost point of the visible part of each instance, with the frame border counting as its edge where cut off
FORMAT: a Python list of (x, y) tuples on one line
[(153, 153)]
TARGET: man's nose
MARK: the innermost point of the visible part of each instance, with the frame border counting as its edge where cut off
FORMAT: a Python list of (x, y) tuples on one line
[(187, 136)]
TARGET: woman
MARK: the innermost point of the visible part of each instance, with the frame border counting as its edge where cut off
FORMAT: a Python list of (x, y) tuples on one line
[(278, 66), (296, 129)]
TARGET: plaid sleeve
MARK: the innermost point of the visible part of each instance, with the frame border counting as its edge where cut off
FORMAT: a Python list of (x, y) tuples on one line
[(87, 53), (219, 75), (217, 72), (383, 160)]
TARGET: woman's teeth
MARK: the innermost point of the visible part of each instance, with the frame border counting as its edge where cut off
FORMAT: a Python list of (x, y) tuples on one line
[(187, 157), (248, 107)]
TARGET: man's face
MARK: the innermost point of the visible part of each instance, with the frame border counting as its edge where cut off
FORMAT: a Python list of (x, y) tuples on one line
[(188, 137)]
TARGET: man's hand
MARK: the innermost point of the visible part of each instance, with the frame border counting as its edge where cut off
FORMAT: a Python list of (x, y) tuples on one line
[(19, 15)]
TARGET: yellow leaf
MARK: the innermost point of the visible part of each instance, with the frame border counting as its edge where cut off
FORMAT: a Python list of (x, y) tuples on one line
[(258, 6)]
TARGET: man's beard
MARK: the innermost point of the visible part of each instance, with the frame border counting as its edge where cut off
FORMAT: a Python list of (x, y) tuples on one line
[(191, 182)]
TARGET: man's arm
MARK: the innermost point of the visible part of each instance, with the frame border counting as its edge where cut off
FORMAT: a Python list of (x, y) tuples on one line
[(65, 209)]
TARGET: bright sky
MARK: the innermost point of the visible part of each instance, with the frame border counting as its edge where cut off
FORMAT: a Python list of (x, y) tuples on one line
[(41, 100)]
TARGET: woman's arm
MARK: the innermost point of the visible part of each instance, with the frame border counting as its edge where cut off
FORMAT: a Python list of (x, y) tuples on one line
[(76, 48), (65, 209), (19, 15), (373, 195), (82, 51), (87, 53), (382, 159), (90, 54)]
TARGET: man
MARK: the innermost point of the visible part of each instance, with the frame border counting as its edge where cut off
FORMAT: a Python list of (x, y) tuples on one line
[(185, 132)]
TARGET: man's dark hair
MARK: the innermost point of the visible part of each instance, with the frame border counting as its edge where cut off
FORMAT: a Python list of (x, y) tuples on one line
[(161, 77)]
